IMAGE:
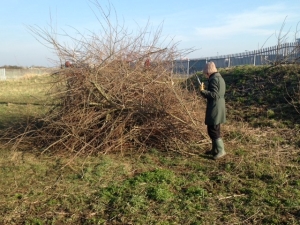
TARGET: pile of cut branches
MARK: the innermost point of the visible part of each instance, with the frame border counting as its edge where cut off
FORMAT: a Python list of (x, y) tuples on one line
[(117, 95), (118, 107)]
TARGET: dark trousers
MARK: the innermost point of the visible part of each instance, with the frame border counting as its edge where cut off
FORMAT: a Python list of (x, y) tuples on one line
[(214, 131)]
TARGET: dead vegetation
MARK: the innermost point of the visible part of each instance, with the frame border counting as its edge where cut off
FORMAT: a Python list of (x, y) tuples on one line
[(118, 95), (116, 108)]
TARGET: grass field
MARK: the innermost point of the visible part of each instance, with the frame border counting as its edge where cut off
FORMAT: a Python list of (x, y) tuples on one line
[(258, 182)]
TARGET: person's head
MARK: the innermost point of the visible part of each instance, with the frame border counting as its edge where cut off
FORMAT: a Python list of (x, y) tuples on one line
[(209, 69), (68, 64)]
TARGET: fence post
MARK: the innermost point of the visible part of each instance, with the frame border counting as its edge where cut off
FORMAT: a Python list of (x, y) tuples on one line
[(2, 74)]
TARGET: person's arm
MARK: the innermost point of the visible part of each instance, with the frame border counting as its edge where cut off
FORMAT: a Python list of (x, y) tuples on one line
[(212, 91)]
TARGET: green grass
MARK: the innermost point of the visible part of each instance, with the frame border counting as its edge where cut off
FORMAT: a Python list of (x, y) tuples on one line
[(115, 189), (257, 183)]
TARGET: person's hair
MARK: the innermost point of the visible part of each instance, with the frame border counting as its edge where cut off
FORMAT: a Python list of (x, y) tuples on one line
[(210, 68)]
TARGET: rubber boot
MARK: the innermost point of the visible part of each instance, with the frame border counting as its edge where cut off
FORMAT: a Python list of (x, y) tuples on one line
[(219, 148), (213, 151)]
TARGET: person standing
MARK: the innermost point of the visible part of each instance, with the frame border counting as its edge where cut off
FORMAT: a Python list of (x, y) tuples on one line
[(215, 113)]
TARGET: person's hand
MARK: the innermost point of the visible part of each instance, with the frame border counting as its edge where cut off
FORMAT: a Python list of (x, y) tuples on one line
[(202, 87)]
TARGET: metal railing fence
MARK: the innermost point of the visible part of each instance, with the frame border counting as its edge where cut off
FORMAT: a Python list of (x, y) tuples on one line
[(287, 53)]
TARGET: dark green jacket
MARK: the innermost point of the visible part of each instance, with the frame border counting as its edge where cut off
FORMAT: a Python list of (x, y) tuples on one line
[(215, 108)]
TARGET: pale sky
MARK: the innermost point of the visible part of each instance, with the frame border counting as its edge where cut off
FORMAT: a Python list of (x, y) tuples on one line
[(212, 28)]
